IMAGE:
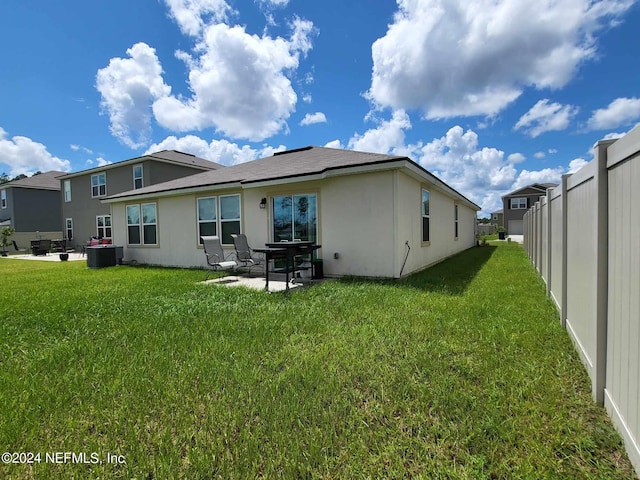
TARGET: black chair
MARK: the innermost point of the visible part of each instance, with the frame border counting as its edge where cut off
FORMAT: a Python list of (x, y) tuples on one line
[(18, 249)]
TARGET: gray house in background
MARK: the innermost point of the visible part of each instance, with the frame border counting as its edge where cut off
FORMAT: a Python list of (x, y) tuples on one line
[(516, 203), (32, 207), (83, 213), (497, 218)]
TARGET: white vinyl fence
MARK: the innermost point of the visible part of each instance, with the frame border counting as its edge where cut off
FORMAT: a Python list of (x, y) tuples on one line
[(584, 240)]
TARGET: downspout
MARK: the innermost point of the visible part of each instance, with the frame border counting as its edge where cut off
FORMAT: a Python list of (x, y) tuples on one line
[(405, 258)]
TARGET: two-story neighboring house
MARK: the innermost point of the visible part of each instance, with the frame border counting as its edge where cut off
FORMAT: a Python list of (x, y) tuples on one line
[(497, 218), (83, 213), (516, 203), (31, 206)]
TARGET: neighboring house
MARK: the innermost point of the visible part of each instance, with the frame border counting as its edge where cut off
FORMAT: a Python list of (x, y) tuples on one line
[(516, 203), (374, 215), (32, 207), (83, 213), (497, 218)]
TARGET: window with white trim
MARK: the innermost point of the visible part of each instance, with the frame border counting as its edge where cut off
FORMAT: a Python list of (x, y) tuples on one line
[(98, 185), (142, 224), (69, 228), (518, 204), (219, 216), (425, 215), (103, 226), (3, 198), (67, 190), (137, 177)]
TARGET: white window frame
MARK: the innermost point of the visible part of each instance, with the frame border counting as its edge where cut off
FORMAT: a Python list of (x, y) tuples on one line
[(3, 198), (138, 177), (105, 219), (99, 189), (425, 215), (68, 223), (218, 222), (67, 190), (519, 203), (141, 224)]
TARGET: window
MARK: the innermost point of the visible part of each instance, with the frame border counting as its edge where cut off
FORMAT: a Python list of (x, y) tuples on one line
[(456, 220), (494, 216), (3, 198), (518, 203), (67, 190), (142, 224), (229, 217), (219, 216), (99, 185), (137, 177), (425, 215), (69, 228), (103, 226), (295, 217)]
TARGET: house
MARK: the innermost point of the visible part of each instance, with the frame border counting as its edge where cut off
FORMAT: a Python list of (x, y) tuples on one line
[(516, 203), (497, 218), (374, 215), (32, 207), (85, 216)]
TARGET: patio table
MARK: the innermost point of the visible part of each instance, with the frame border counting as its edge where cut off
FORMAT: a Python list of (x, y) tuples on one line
[(287, 251)]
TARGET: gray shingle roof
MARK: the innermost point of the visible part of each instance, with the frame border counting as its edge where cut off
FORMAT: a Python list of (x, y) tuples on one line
[(171, 156), (292, 163), (43, 181), (289, 164)]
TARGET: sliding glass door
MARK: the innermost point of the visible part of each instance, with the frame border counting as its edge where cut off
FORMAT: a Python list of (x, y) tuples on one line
[(295, 217)]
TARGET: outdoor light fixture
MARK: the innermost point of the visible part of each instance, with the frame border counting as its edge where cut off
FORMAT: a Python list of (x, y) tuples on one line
[(263, 202)]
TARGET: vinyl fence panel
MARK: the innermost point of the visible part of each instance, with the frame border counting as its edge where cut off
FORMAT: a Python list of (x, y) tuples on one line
[(622, 393), (592, 246)]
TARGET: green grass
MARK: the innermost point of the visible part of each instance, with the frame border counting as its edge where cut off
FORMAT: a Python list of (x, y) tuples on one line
[(461, 371)]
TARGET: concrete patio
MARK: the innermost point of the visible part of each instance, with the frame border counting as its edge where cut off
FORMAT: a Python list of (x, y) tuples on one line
[(52, 257)]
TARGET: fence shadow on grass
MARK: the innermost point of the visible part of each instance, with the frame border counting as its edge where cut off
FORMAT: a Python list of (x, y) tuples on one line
[(450, 277)]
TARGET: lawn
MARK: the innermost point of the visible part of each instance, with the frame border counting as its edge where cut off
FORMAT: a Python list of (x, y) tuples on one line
[(461, 371)]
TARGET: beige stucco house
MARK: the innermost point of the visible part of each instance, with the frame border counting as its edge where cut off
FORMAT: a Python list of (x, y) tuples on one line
[(374, 215)]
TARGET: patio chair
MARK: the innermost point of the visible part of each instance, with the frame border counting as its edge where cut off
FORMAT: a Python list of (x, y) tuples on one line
[(215, 255), (244, 254), (18, 249)]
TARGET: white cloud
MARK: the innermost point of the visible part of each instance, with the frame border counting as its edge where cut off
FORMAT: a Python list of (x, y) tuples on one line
[(219, 151), (77, 148), (455, 57), (552, 150), (480, 173), (334, 144), (128, 87), (546, 117), (275, 3), (387, 137), (102, 162), (539, 155), (192, 15), (576, 164), (24, 156), (547, 175), (311, 118), (239, 83), (620, 112), (516, 158)]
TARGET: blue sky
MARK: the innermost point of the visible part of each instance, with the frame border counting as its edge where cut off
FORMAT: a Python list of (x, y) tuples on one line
[(488, 95)]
